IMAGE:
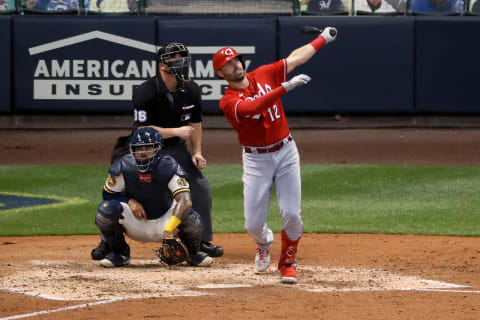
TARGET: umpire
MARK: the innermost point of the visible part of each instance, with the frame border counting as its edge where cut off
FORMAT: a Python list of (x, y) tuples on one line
[(171, 103)]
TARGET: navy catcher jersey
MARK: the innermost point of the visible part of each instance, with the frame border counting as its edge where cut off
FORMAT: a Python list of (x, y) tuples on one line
[(154, 190)]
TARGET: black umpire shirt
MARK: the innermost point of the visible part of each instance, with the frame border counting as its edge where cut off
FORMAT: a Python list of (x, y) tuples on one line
[(155, 105)]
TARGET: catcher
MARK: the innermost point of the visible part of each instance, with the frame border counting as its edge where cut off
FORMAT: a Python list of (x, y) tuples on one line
[(147, 197)]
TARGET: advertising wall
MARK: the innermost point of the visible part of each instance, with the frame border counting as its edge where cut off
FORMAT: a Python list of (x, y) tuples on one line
[(369, 68), (72, 64), (81, 64), (447, 64)]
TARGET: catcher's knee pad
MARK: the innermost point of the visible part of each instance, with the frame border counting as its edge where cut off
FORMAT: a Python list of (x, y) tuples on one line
[(108, 214), (106, 219), (190, 231)]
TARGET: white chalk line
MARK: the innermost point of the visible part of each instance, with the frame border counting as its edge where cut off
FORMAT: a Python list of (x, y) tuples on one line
[(84, 305), (399, 289), (44, 296), (212, 286), (437, 286), (448, 290), (442, 287)]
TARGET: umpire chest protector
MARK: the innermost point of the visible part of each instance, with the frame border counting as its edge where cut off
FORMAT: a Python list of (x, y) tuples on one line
[(155, 105), (150, 189)]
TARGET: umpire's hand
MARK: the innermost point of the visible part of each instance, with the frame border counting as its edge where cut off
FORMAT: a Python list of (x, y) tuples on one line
[(199, 161), (184, 132)]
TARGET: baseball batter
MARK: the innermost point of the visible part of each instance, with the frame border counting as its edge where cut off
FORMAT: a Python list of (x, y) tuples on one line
[(253, 107)]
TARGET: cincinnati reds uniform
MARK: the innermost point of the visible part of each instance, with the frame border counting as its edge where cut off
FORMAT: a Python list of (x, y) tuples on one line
[(270, 156)]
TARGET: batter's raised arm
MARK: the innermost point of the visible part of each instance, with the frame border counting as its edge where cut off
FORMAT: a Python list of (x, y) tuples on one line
[(301, 55), (252, 107)]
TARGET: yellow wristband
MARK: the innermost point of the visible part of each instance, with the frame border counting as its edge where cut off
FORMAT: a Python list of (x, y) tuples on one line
[(172, 224)]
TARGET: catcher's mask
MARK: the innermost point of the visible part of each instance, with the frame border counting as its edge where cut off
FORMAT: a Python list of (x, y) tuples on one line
[(223, 56), (144, 146), (176, 56)]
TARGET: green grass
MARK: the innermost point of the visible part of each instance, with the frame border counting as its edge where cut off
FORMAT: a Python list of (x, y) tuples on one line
[(335, 199)]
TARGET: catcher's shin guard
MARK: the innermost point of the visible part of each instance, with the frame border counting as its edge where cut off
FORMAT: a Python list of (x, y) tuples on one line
[(289, 251), (101, 250), (190, 232), (106, 219)]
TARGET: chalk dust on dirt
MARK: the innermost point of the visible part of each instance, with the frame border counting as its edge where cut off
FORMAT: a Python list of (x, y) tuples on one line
[(147, 278)]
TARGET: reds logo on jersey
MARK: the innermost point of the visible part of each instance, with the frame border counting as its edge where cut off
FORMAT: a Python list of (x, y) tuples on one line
[(261, 92)]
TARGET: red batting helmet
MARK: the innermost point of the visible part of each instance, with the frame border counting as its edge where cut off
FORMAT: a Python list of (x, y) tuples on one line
[(223, 56)]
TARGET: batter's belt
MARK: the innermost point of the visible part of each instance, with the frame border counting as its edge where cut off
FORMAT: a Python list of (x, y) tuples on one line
[(272, 148)]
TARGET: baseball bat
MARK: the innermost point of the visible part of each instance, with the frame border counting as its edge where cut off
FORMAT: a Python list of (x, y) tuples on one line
[(315, 30)]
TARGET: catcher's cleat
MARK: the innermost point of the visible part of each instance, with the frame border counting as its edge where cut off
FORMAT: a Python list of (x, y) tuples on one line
[(101, 251), (262, 260), (200, 259), (289, 273), (211, 249), (113, 260)]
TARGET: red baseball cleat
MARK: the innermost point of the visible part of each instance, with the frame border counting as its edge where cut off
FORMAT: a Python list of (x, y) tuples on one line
[(289, 273)]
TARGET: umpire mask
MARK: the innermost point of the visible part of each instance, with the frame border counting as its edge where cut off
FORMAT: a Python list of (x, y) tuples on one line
[(176, 56)]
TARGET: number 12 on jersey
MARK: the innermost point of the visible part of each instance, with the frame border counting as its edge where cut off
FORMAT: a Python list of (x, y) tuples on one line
[(273, 114)]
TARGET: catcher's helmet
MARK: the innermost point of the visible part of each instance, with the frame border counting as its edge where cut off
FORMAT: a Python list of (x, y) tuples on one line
[(223, 56), (176, 56), (144, 146)]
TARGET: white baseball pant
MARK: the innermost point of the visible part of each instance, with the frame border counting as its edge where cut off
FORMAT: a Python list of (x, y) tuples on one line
[(260, 171), (144, 230)]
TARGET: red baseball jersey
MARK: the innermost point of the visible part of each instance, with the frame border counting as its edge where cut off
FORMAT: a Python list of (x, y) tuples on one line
[(269, 126)]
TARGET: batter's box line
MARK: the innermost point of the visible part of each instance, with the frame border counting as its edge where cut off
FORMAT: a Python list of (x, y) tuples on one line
[(438, 286), (42, 295), (79, 306), (448, 290)]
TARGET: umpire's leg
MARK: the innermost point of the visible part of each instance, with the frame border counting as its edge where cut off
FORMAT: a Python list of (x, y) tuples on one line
[(201, 195)]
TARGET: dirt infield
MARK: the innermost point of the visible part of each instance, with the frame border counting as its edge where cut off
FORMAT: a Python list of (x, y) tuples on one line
[(340, 276)]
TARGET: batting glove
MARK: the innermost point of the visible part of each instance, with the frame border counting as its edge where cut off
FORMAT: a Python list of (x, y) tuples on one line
[(296, 82), (329, 34)]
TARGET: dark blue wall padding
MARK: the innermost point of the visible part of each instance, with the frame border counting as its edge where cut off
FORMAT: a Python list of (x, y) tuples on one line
[(5, 63), (377, 64), (447, 64), (76, 45), (203, 35), (369, 68)]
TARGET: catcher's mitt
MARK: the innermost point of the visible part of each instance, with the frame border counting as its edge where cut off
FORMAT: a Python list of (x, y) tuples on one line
[(172, 251)]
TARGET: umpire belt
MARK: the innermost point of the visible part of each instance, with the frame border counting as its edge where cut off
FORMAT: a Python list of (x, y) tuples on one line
[(271, 148)]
